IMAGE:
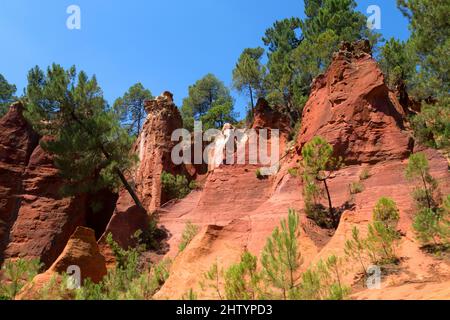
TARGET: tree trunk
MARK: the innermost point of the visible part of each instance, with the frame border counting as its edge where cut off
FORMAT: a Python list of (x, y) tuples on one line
[(251, 99), (330, 206), (118, 171), (426, 190)]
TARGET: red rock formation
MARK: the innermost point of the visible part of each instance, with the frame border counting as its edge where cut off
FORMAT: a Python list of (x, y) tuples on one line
[(38, 221), (81, 251), (17, 141), (154, 147), (351, 107)]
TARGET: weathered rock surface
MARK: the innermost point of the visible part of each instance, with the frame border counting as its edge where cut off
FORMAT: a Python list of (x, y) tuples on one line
[(17, 141), (353, 109), (153, 147), (81, 251), (37, 221)]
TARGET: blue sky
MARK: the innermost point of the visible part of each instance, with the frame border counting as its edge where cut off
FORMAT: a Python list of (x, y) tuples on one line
[(165, 44)]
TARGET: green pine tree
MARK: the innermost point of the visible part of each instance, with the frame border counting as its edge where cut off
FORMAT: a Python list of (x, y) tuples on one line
[(6, 95), (281, 257), (131, 108), (90, 148)]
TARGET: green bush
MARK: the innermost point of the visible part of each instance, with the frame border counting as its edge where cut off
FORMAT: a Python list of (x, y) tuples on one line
[(280, 257), (381, 243), (386, 211), (176, 187), (242, 281), (365, 174), (356, 187), (16, 274), (189, 232), (259, 174), (128, 280)]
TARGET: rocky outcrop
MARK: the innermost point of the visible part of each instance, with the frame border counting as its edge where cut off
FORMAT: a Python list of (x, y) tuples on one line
[(37, 220), (153, 147), (353, 109), (81, 252), (17, 142)]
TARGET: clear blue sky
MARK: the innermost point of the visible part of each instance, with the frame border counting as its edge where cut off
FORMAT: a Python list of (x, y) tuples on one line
[(165, 44)]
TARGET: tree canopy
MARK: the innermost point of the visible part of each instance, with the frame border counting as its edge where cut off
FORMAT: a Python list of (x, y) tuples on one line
[(7, 91), (90, 148), (131, 108), (209, 101)]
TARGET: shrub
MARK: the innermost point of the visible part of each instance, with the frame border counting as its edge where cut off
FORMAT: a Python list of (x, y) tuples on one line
[(293, 172), (386, 211), (428, 226), (381, 243), (259, 174), (16, 274), (280, 257), (128, 280), (354, 248), (242, 281), (356, 187), (318, 164), (150, 237), (189, 232), (176, 187), (365, 174), (323, 282), (418, 170)]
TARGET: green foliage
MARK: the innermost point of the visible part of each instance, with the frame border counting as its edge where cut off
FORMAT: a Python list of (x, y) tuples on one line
[(318, 163), (242, 281), (190, 295), (432, 125), (293, 172), (131, 108), (365, 174), (280, 257), (259, 174), (323, 282), (381, 243), (431, 226), (418, 170), (431, 44), (16, 274), (396, 62), (90, 148), (210, 101), (189, 232), (386, 211), (249, 74), (151, 236), (356, 187), (176, 187), (299, 50), (6, 94), (128, 280), (211, 279), (355, 248)]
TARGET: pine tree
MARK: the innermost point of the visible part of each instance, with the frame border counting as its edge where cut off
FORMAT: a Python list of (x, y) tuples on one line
[(6, 95), (90, 148), (131, 108), (280, 257), (386, 211), (242, 280), (418, 169), (396, 62), (319, 163), (431, 43), (249, 73), (207, 95)]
